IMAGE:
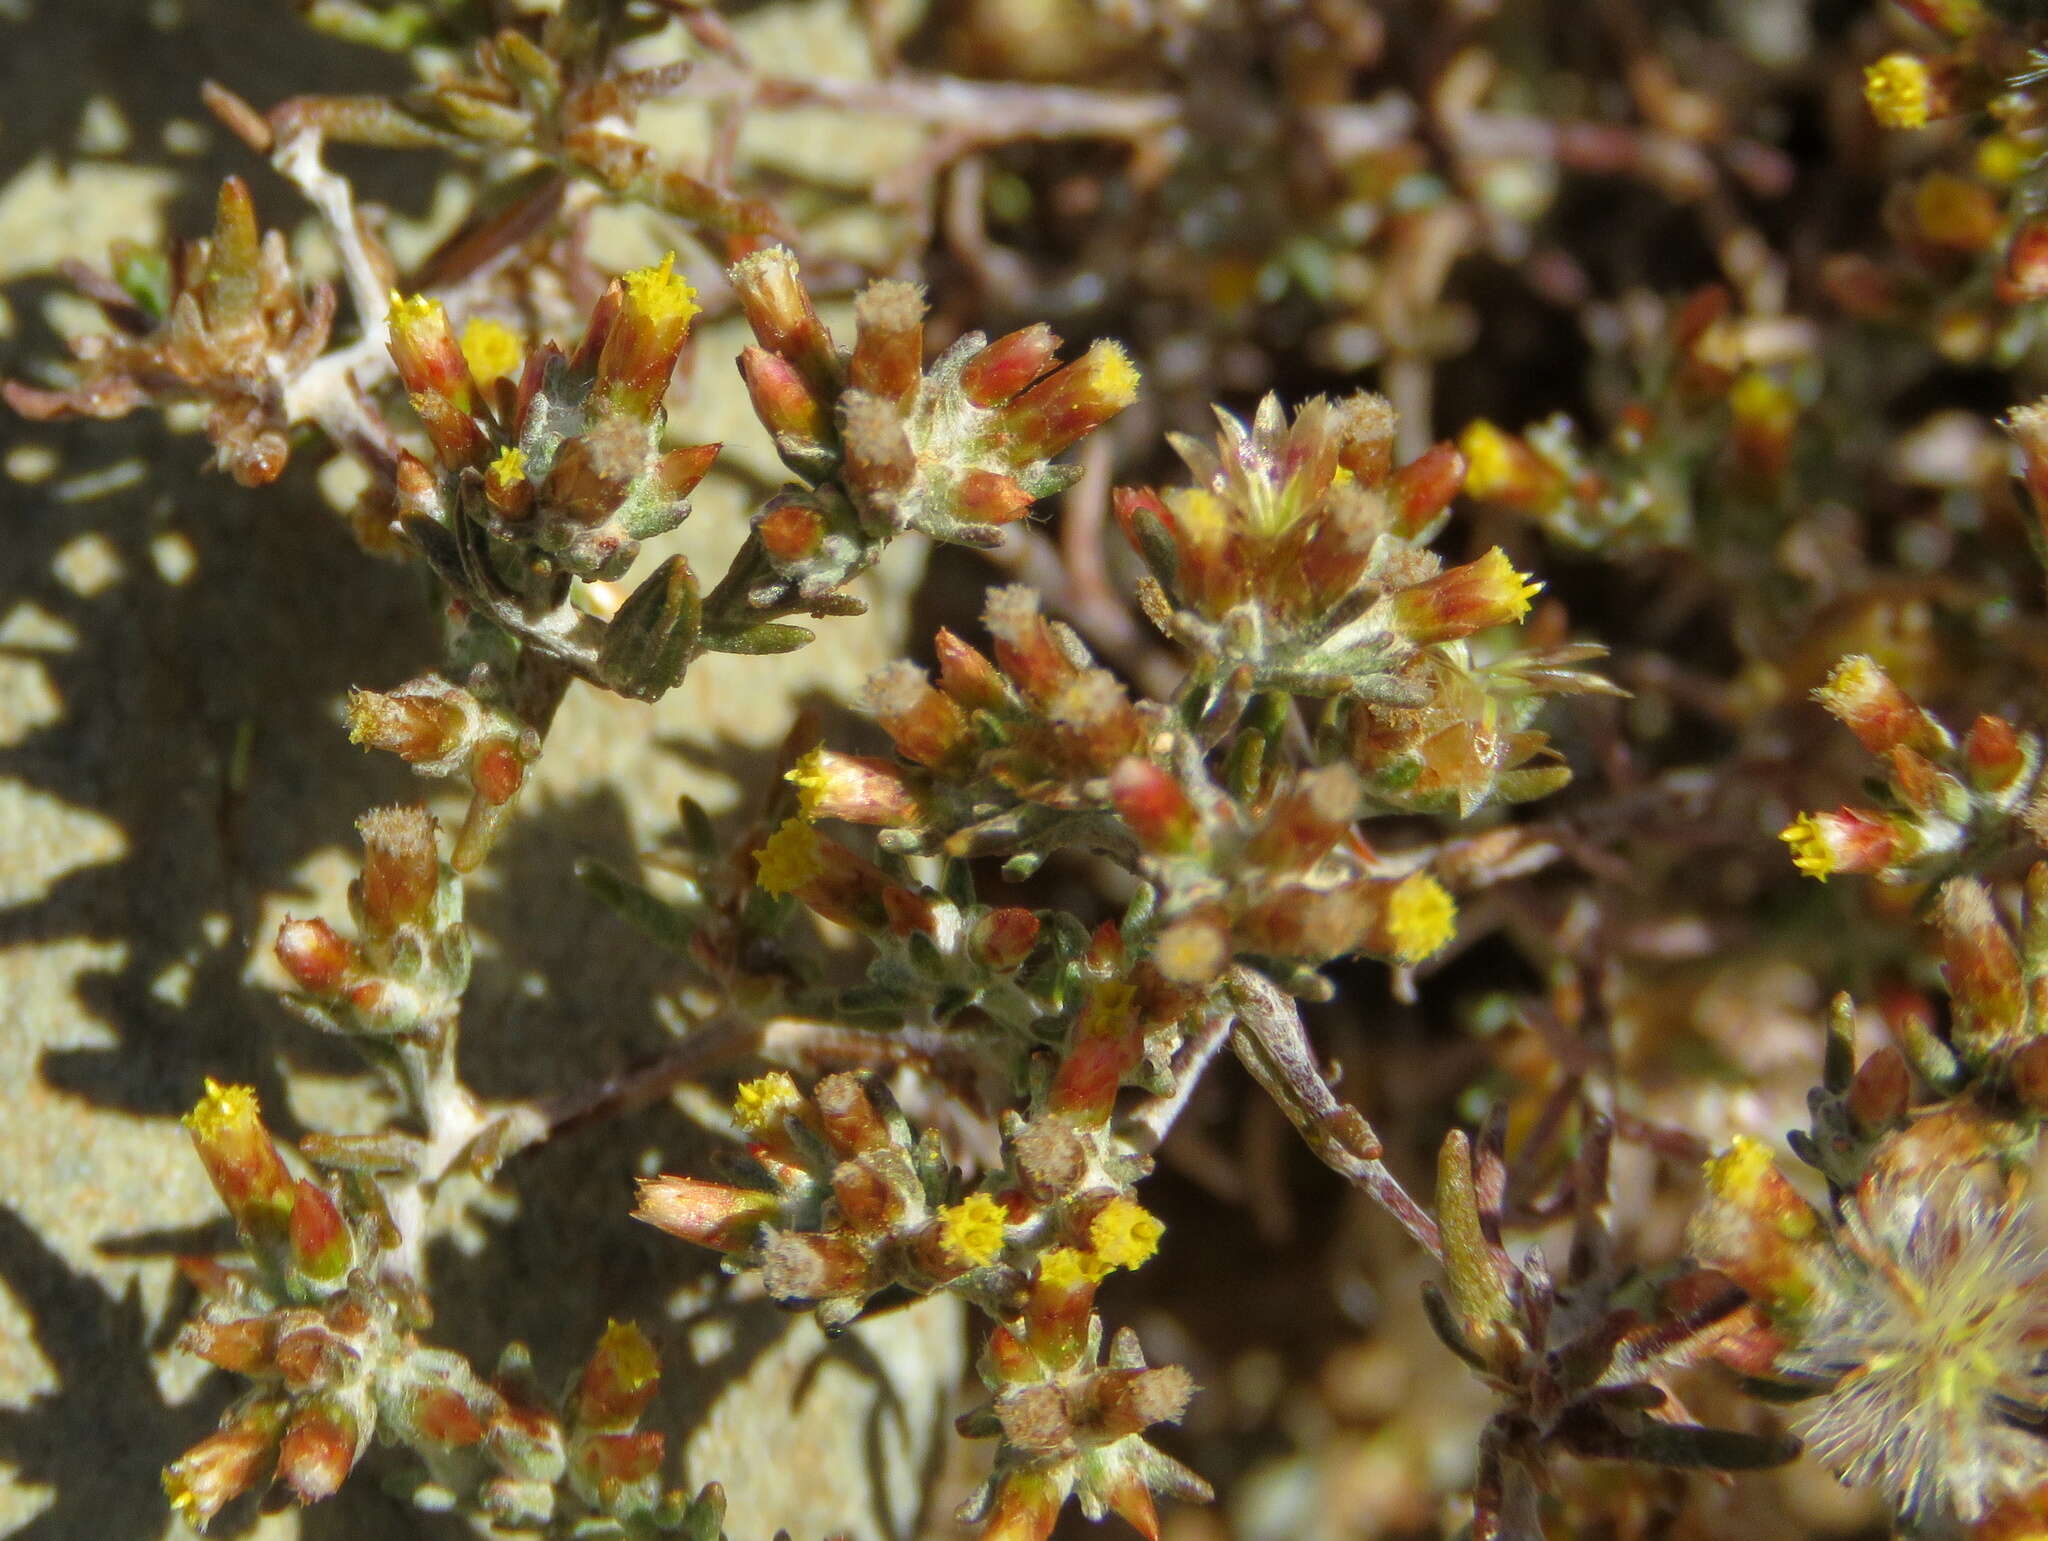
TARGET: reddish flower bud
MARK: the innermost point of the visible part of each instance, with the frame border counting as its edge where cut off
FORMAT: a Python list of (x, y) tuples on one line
[(1069, 404), (1151, 802), (790, 531), (1025, 646), (1007, 365), (247, 1172), (245, 1347), (443, 1415), (2026, 262), (316, 956), (988, 497), (1104, 1045), (401, 869), (322, 1248), (424, 349), (785, 402), (1365, 425), (1881, 1090), (779, 310), (1003, 938), (1981, 966), (888, 345), (1424, 487), (223, 1466), (319, 1451), (1862, 697), (710, 1214), (869, 1203), (679, 471), (925, 726), (498, 771), (655, 309), (1461, 600), (623, 1374), (967, 675), (1995, 756), (848, 1115), (879, 465), (613, 1461)]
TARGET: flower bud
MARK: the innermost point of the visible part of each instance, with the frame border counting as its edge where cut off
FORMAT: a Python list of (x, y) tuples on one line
[(1009, 364), (1461, 600), (857, 788), (322, 1249), (227, 1131), (710, 1214), (989, 497), (623, 1374), (925, 725), (787, 405), (656, 306), (1997, 759), (223, 1466), (1862, 697), (888, 345), (1502, 468), (1846, 840), (1156, 809), (424, 722), (1068, 405), (319, 960), (401, 869), (318, 1452), (1003, 938), (1423, 488), (779, 309), (1026, 649)]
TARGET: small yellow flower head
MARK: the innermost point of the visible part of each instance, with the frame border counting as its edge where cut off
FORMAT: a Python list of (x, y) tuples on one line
[(632, 1359), (661, 295), (1739, 1170), (223, 1111), (790, 859), (760, 1105), (1900, 91), (1489, 459), (1068, 1268), (491, 349), (1115, 376), (1125, 1234), (1812, 853), (1421, 917), (2002, 159), (1759, 400), (811, 780), (973, 1229), (508, 467)]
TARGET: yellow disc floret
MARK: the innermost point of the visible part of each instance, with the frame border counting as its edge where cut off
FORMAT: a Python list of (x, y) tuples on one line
[(1068, 1268), (811, 780), (1125, 1233), (224, 1109), (973, 1229), (660, 294), (1900, 91), (1421, 917), (1811, 852), (1489, 459), (491, 349), (790, 859), (763, 1103)]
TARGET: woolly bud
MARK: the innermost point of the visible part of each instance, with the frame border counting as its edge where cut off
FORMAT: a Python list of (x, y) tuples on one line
[(779, 309), (710, 1214), (1007, 365), (925, 725), (1862, 697), (401, 869), (319, 960), (888, 345)]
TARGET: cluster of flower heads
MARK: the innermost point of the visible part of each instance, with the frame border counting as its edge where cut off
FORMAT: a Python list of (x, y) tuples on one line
[(219, 321), (1945, 801), (1296, 568)]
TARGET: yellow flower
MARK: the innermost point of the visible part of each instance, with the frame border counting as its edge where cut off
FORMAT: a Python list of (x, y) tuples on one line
[(1068, 1268), (661, 295), (491, 349), (1421, 917), (1125, 1234), (1115, 376), (790, 859), (224, 1112), (763, 1103), (973, 1229), (1489, 459), (1811, 852), (812, 780), (1900, 91), (630, 1356)]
